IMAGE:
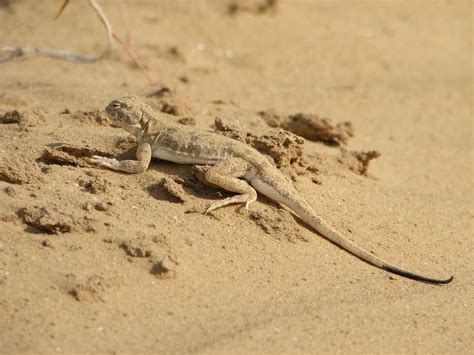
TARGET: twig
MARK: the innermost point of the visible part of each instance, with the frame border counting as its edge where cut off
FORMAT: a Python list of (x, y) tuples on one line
[(19, 52), (126, 21), (106, 23), (61, 9), (65, 55), (134, 58)]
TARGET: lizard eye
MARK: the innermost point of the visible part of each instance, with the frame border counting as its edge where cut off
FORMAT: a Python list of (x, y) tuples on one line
[(116, 105)]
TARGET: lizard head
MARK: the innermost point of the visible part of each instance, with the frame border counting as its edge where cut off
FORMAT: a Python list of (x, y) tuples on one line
[(128, 112)]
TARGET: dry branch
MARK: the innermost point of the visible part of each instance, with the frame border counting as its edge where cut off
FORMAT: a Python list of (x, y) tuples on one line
[(17, 53)]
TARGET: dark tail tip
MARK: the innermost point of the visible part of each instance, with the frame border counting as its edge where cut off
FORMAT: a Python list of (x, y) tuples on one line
[(417, 277)]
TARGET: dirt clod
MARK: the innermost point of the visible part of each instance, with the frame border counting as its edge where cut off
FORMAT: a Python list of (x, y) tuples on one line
[(11, 117), (137, 248), (285, 148), (357, 161), (174, 189), (9, 175), (95, 185), (164, 268), (282, 146), (17, 171), (47, 219), (310, 126), (92, 289)]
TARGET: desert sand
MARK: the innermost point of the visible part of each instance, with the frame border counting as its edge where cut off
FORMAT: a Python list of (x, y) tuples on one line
[(96, 261)]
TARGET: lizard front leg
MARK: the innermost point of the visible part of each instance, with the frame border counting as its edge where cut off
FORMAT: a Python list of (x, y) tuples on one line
[(129, 166), (225, 174)]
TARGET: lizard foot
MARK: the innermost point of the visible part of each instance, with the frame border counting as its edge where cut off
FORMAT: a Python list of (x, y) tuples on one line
[(103, 161), (244, 199)]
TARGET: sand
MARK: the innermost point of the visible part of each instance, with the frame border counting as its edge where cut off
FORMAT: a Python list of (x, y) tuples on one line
[(95, 261)]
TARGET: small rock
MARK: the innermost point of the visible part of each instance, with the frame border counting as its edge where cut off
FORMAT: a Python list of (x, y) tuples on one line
[(47, 219), (46, 243)]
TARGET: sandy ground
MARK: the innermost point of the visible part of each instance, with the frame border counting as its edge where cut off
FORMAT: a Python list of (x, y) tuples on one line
[(98, 261)]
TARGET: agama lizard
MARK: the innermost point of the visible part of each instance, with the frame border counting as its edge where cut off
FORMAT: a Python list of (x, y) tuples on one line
[(236, 167)]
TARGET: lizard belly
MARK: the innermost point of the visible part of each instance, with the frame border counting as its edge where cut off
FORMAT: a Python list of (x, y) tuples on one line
[(181, 157)]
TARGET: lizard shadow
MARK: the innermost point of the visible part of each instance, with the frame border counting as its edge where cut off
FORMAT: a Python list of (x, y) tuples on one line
[(182, 175), (185, 176)]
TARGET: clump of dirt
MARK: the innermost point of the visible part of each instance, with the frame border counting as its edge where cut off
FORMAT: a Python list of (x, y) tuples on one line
[(47, 219), (19, 171), (174, 189), (251, 6), (170, 102), (310, 126), (10, 173), (98, 206), (137, 248), (164, 268), (230, 129), (24, 119), (95, 184), (66, 154), (11, 117), (285, 148), (92, 289), (357, 161)]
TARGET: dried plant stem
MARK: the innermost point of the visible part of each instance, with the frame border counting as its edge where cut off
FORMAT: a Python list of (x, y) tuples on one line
[(126, 21), (19, 52), (106, 23)]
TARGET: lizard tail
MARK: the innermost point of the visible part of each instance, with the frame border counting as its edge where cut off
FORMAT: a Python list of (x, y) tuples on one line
[(306, 213)]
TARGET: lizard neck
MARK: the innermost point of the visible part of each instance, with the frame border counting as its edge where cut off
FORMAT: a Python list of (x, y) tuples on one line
[(142, 128)]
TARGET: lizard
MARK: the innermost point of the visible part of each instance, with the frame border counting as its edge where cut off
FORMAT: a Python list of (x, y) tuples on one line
[(235, 167)]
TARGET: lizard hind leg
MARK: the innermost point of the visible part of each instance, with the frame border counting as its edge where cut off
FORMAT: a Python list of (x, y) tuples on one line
[(225, 175)]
